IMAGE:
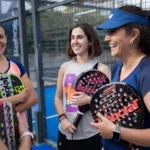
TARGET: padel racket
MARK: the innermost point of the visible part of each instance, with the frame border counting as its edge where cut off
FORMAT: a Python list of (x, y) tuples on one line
[(88, 82), (10, 85), (120, 103), (9, 129)]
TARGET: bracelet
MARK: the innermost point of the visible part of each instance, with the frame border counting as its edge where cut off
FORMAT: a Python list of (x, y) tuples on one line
[(62, 118), (62, 115), (27, 133)]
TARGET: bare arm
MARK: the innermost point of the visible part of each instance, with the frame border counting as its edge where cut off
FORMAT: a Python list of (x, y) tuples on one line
[(25, 143), (59, 91), (66, 124), (15, 99), (3, 146)]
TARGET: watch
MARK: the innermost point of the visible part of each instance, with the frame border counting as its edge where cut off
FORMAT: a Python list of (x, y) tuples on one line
[(116, 133)]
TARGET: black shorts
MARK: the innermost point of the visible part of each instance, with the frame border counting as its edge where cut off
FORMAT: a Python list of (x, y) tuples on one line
[(92, 143)]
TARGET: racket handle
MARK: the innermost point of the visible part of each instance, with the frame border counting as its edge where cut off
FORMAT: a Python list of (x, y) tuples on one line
[(77, 119)]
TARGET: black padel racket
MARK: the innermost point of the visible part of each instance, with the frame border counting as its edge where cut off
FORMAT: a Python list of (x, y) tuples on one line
[(120, 103), (9, 129), (89, 82)]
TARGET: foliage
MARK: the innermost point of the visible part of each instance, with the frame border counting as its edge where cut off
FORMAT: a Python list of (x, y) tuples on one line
[(55, 24)]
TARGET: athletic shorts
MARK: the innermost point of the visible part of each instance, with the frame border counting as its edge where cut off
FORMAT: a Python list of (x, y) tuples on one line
[(92, 143)]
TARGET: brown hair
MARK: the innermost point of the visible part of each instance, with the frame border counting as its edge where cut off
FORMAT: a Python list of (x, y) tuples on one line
[(95, 47), (144, 37)]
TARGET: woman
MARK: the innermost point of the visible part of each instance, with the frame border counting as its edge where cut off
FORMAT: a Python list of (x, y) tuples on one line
[(27, 98), (83, 50), (128, 35)]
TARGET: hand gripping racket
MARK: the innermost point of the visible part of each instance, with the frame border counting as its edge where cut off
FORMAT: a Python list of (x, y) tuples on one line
[(120, 103), (88, 82), (9, 130)]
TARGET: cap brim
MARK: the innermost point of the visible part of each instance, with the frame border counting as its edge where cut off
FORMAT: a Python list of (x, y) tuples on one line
[(110, 24)]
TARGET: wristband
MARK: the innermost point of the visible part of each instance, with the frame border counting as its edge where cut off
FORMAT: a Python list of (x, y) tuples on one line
[(27, 133), (62, 115), (62, 118)]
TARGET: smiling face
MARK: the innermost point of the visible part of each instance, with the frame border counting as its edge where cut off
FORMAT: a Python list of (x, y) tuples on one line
[(3, 41), (79, 42), (119, 42)]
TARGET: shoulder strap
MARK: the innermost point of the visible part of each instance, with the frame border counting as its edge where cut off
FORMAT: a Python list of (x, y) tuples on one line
[(96, 66)]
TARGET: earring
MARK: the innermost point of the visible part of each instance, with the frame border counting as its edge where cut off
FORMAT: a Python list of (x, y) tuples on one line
[(131, 42)]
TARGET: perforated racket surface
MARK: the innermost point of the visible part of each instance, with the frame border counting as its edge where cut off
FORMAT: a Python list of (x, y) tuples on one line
[(10, 85), (119, 103), (9, 130), (89, 82)]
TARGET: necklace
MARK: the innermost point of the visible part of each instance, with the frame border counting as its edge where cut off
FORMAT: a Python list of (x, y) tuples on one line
[(125, 68)]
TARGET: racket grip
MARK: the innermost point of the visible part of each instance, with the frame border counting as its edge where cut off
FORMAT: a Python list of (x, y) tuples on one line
[(77, 119)]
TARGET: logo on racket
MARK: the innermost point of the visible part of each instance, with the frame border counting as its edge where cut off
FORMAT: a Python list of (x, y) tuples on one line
[(120, 103)]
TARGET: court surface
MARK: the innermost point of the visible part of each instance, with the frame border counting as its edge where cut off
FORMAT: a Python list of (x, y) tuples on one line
[(42, 147), (51, 117)]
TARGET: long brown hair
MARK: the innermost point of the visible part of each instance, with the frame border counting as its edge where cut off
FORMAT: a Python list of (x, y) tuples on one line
[(95, 47)]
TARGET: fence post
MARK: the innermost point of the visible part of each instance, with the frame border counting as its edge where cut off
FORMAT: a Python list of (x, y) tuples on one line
[(40, 116)]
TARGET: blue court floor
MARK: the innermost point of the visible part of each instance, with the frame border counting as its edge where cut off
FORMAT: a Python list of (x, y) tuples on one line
[(51, 117), (42, 147)]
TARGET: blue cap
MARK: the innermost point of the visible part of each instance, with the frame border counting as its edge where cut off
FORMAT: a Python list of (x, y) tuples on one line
[(119, 18)]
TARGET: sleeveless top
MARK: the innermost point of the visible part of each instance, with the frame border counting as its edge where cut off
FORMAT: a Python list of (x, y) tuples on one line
[(84, 129)]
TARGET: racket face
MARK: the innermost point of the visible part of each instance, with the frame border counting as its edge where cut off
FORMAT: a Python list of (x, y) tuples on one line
[(89, 82), (120, 104), (9, 130), (10, 85), (17, 84)]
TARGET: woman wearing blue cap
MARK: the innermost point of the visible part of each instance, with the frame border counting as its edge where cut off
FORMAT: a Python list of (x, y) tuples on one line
[(128, 35)]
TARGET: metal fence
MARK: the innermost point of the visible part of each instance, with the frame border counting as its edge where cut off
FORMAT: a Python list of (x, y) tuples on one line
[(37, 32)]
